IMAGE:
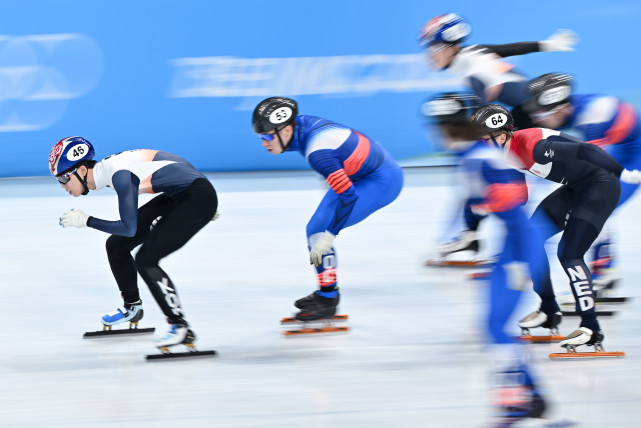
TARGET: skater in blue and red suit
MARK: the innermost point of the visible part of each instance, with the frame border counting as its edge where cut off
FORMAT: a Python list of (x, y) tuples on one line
[(606, 121), (494, 188), (363, 178)]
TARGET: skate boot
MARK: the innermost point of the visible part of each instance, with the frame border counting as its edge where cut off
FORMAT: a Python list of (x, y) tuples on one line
[(517, 398), (541, 319), (316, 307), (178, 334), (131, 312), (466, 241), (583, 336)]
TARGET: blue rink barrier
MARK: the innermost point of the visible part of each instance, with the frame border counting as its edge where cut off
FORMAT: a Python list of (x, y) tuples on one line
[(186, 77)]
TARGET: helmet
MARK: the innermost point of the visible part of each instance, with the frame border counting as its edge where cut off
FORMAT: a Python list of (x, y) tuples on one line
[(69, 152), (272, 113), (449, 28), (548, 91), (450, 107), (492, 117)]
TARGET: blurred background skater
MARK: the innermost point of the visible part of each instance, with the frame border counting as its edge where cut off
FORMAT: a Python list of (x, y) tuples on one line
[(493, 80), (363, 178), (603, 120), (494, 188), (163, 225), (579, 208)]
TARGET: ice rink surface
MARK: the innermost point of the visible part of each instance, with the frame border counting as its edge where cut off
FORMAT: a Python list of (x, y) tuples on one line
[(414, 357)]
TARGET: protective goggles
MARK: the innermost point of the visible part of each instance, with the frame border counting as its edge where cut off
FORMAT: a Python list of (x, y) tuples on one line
[(267, 137), (541, 115), (64, 178)]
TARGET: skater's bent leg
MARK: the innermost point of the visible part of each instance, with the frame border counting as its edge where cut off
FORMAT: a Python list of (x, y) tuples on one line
[(190, 212), (503, 301), (119, 249), (122, 266), (326, 271), (577, 239), (545, 225)]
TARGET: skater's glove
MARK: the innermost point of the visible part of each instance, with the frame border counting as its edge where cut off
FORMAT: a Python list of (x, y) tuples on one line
[(561, 41), (74, 218), (322, 245), (633, 177)]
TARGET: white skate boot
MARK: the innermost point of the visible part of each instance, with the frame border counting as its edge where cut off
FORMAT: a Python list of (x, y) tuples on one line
[(467, 240), (177, 335), (463, 251), (582, 336), (541, 319)]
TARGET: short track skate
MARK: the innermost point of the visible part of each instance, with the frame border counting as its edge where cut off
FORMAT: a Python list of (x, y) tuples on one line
[(553, 337), (598, 352), (318, 326), (457, 263), (188, 342), (479, 275), (598, 313), (166, 353), (107, 331)]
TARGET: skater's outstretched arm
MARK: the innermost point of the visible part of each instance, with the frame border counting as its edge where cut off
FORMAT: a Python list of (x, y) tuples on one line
[(561, 41)]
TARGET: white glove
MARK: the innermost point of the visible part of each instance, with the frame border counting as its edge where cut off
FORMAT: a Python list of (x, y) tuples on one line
[(74, 218), (561, 41), (633, 177), (322, 244)]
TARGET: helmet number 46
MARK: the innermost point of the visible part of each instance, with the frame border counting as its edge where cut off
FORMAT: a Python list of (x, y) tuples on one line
[(77, 152)]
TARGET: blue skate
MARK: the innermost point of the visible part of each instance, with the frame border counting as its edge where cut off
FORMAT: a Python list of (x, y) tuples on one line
[(129, 312), (517, 398)]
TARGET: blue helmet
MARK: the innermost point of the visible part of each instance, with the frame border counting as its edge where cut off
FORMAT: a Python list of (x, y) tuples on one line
[(450, 28), (68, 153)]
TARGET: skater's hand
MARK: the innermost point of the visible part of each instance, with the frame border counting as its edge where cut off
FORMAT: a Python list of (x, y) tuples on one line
[(321, 246), (561, 41), (75, 218), (633, 177)]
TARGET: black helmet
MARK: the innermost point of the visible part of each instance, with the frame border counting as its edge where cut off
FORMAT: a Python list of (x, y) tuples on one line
[(548, 91), (273, 113), (450, 107), (492, 117)]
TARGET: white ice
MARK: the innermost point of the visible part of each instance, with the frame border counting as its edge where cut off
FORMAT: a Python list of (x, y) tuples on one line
[(414, 357)]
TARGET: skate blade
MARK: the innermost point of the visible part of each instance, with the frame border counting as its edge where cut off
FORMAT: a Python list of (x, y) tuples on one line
[(290, 320), (542, 339), (592, 354), (123, 331), (601, 301), (164, 355), (598, 313), (479, 275), (312, 330), (456, 263)]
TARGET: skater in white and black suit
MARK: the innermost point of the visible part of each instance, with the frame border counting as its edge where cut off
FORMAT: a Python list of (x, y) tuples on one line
[(187, 202)]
